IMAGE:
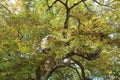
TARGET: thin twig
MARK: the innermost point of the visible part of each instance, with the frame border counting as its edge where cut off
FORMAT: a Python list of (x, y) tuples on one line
[(86, 6), (49, 7), (79, 22), (102, 4), (5, 8), (75, 4), (62, 3)]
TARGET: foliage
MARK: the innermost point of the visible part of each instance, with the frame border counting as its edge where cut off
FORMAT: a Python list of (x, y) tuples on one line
[(37, 36)]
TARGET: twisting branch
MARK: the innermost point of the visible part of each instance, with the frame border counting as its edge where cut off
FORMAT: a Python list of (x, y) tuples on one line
[(62, 66), (85, 55), (55, 68), (92, 56), (5, 8), (76, 71), (82, 68), (102, 4)]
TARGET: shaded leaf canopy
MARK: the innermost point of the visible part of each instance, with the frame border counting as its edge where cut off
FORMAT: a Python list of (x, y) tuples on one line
[(42, 33)]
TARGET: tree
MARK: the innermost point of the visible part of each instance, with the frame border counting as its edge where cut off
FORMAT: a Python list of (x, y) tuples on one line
[(59, 39)]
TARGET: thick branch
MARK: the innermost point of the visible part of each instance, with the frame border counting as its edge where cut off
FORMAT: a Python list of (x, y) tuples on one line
[(67, 14), (76, 71), (66, 2), (67, 10), (82, 68), (67, 18), (55, 68), (5, 8), (62, 66), (85, 55)]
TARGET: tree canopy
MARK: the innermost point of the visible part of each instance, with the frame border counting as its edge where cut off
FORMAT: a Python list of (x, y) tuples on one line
[(59, 39)]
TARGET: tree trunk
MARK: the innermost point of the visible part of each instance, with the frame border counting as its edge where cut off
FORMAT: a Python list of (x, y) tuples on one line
[(42, 73), (38, 73)]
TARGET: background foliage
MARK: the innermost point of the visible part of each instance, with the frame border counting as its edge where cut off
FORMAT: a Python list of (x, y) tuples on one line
[(25, 23)]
